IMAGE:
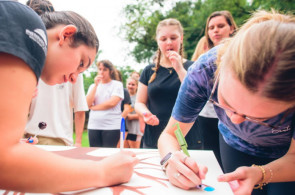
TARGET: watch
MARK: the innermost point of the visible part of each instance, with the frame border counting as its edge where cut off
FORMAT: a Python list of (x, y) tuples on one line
[(164, 161)]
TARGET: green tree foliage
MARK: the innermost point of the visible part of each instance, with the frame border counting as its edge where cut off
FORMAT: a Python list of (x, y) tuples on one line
[(88, 80), (125, 71), (281, 5), (143, 16), (91, 72)]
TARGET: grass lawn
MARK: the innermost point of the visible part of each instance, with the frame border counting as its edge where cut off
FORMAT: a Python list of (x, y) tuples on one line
[(85, 142)]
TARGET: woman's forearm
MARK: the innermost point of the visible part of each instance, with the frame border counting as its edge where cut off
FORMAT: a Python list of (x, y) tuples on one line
[(133, 116), (90, 96), (282, 169), (141, 108), (40, 169), (112, 102), (181, 74)]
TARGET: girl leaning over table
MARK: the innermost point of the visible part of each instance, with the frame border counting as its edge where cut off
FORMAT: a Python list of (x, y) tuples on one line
[(56, 47), (252, 90)]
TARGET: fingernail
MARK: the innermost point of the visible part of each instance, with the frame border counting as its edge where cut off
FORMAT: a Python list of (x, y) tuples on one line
[(31, 140), (199, 186)]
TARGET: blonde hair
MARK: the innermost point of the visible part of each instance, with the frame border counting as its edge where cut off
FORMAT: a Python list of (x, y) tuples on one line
[(261, 55), (229, 19), (164, 23), (134, 72), (201, 48), (134, 79)]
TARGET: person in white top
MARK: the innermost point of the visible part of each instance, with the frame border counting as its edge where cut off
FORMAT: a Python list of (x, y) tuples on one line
[(55, 105), (104, 101), (219, 26)]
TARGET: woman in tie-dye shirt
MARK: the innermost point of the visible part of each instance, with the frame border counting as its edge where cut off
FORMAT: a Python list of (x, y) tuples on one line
[(252, 90)]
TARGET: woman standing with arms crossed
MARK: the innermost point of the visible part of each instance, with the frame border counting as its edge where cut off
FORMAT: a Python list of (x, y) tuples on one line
[(104, 100), (57, 49), (253, 96), (160, 82)]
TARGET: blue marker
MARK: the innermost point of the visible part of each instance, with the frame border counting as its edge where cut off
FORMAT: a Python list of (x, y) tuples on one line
[(122, 133), (206, 188), (31, 140)]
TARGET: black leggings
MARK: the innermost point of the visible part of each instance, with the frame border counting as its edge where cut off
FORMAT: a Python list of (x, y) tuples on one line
[(103, 138), (232, 159), (210, 135)]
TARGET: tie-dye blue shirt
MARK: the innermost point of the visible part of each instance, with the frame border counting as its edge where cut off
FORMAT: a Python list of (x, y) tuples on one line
[(248, 137)]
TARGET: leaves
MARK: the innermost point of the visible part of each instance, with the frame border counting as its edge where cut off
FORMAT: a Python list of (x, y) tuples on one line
[(143, 16)]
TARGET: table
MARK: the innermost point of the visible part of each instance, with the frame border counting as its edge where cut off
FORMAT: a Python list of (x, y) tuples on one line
[(148, 178)]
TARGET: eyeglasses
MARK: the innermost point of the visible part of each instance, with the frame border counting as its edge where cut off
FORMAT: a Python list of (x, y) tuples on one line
[(275, 128)]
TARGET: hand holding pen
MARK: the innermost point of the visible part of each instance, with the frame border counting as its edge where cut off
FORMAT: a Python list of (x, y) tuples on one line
[(34, 140), (183, 171)]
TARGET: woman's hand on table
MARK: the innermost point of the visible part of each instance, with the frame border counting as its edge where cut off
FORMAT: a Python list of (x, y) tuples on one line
[(184, 172), (118, 168), (242, 180), (150, 119)]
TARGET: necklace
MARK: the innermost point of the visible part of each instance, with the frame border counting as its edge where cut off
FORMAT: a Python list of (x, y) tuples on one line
[(170, 69)]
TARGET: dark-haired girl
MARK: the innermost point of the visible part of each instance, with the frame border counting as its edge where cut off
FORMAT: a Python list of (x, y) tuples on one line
[(56, 48)]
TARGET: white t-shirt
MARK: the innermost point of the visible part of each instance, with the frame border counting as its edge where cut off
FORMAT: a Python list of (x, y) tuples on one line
[(109, 119), (55, 106), (208, 111)]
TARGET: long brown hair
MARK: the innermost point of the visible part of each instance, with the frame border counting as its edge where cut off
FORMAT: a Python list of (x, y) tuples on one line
[(109, 65), (229, 19)]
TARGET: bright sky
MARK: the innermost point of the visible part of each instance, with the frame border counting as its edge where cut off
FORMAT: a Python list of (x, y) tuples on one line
[(104, 15)]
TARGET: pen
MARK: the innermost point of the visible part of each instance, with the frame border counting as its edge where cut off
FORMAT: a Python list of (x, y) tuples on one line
[(122, 134), (183, 145), (181, 139), (205, 187)]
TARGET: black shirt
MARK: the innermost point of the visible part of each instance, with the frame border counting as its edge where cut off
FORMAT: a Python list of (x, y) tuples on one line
[(23, 34), (127, 99), (162, 94)]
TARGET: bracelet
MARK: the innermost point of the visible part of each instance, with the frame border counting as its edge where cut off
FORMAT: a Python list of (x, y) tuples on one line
[(262, 183), (270, 178)]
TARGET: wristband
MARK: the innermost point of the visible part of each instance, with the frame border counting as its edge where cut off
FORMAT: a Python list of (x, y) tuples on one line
[(164, 161)]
